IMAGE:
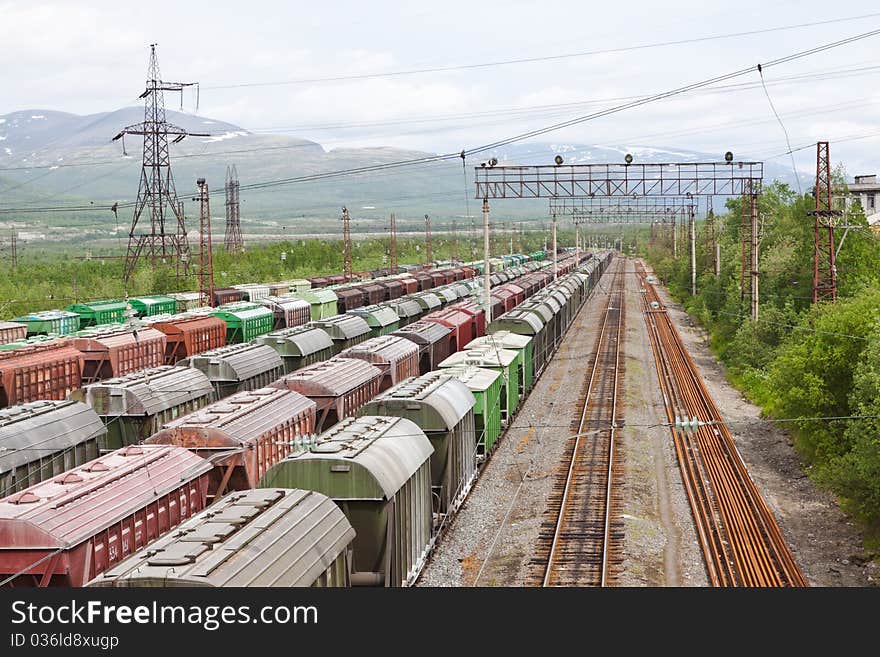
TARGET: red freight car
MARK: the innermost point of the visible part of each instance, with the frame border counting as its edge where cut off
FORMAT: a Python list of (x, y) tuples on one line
[(113, 352), (188, 335), (68, 529), (478, 316), (435, 341), (12, 331), (391, 289), (397, 357), (318, 281), (348, 298), (505, 296), (424, 280), (243, 435), (462, 324), (519, 294), (227, 295), (339, 386), (46, 371), (410, 284), (373, 293)]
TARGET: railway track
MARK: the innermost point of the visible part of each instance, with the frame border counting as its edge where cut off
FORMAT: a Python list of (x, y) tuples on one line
[(741, 541), (581, 533)]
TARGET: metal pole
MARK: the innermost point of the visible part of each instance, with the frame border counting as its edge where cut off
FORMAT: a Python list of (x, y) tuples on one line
[(693, 236), (754, 203), (718, 258), (487, 297), (577, 242), (555, 255), (675, 236)]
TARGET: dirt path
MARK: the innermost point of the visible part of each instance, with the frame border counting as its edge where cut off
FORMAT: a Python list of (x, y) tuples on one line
[(826, 544)]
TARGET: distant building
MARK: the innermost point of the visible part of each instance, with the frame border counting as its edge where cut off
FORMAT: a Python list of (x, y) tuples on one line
[(866, 190)]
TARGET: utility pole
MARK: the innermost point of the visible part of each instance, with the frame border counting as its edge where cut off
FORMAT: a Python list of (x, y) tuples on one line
[(392, 248), (749, 243), (693, 239), (13, 248), (824, 261), (156, 190), (234, 241), (555, 255), (206, 257), (346, 246), (429, 249), (487, 296), (710, 239), (454, 244)]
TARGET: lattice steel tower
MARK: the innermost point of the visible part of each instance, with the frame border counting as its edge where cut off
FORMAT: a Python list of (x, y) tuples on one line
[(234, 240), (824, 265), (157, 193), (206, 256)]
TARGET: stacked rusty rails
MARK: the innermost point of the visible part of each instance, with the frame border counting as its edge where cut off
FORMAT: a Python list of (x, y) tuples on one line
[(68, 529), (42, 439), (378, 470), (243, 435), (299, 346), (339, 387), (50, 370), (397, 357), (111, 351), (741, 541), (238, 367), (289, 311), (188, 334), (436, 342), (137, 405), (345, 330), (443, 407), (12, 331), (582, 532), (267, 537)]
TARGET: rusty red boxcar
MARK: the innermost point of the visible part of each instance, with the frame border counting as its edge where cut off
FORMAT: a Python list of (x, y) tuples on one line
[(51, 370), (339, 387), (397, 357), (190, 334), (478, 316), (436, 342), (243, 435), (462, 324), (12, 331), (111, 352), (66, 530)]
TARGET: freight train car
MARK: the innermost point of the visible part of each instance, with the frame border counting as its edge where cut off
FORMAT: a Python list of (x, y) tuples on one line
[(137, 405), (226, 295), (435, 342), (408, 310), (42, 439), (97, 313), (189, 334), (243, 435), (522, 344), (345, 330), (322, 302), (485, 386), (50, 370), (443, 407), (288, 311), (381, 319), (397, 357), (503, 361), (50, 322), (268, 537), (187, 301), (339, 386), (378, 471), (238, 367), (299, 346), (12, 331), (153, 305), (110, 351), (67, 530), (244, 321), (460, 322)]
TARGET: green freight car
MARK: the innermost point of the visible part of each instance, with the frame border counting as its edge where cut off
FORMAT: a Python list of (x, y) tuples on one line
[(245, 321), (522, 344), (153, 305), (95, 313), (485, 385), (503, 361), (322, 301), (57, 322), (381, 319)]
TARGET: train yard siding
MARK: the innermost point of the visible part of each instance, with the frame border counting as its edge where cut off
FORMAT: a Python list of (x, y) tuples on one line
[(826, 544), (492, 543)]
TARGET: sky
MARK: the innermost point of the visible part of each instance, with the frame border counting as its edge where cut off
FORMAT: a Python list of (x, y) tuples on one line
[(264, 65)]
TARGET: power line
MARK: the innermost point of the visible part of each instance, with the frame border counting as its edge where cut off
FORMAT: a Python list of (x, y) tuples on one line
[(528, 60)]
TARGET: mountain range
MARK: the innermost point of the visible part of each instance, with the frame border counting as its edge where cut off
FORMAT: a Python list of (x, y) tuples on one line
[(50, 158)]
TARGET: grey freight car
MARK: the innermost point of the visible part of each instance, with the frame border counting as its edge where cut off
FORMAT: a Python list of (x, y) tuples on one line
[(42, 439), (265, 537), (238, 367), (444, 408), (135, 406), (378, 470), (299, 346)]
